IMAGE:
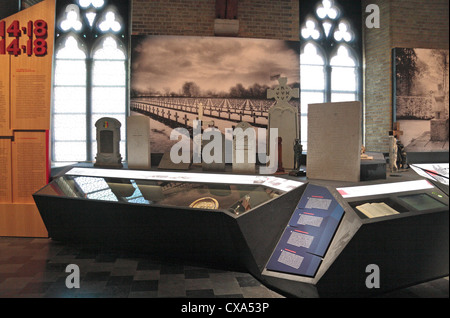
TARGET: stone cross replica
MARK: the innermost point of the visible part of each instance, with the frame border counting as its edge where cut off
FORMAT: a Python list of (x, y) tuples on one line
[(284, 117)]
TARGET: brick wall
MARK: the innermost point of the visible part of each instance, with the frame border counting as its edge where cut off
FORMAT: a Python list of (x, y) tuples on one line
[(173, 17), (269, 19), (403, 23), (257, 18), (378, 80), (420, 23)]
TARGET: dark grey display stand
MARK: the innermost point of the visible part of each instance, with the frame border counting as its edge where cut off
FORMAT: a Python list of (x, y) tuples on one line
[(409, 248)]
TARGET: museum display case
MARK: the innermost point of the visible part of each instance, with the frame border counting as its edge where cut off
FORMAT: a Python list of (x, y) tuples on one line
[(223, 220), (302, 237)]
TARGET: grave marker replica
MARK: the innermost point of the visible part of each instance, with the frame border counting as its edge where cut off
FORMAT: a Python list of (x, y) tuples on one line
[(108, 143), (334, 147), (284, 117), (244, 148), (138, 142), (213, 151)]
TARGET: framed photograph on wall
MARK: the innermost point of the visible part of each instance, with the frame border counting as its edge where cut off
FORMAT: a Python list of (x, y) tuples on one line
[(177, 79), (420, 98)]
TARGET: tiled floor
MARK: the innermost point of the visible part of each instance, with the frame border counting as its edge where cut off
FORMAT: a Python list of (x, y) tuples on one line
[(37, 268)]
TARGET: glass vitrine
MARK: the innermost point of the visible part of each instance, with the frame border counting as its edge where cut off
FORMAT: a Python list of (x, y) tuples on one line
[(234, 193)]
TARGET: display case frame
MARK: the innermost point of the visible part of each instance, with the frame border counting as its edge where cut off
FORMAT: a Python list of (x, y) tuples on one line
[(217, 238), (408, 248)]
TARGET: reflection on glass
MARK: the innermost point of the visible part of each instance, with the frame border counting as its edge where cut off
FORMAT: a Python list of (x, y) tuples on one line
[(235, 198)]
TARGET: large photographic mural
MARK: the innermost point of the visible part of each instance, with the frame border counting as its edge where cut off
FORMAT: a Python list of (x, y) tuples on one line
[(174, 78), (421, 98)]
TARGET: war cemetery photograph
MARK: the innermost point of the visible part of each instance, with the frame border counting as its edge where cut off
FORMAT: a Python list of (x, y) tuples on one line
[(219, 80)]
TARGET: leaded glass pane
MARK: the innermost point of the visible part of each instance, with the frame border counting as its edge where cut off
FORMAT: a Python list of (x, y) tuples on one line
[(343, 78), (343, 57), (71, 50), (311, 55), (311, 98), (343, 33), (327, 9), (310, 30), (69, 151), (110, 23), (343, 97), (95, 3), (109, 73), (72, 20), (109, 50), (69, 99), (108, 99), (69, 127), (70, 72)]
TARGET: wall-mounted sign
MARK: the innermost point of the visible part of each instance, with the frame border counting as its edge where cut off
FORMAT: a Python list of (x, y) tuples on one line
[(29, 39)]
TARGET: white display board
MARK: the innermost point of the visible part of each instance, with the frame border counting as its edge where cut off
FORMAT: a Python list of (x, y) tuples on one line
[(334, 141)]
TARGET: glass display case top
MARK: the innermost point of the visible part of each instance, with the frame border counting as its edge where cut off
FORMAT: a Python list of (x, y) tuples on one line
[(234, 193), (384, 188)]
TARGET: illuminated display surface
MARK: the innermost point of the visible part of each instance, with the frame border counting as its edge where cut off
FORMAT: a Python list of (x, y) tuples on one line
[(422, 201), (385, 188)]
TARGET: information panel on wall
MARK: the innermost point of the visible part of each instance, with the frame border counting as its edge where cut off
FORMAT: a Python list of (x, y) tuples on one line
[(26, 59), (308, 234)]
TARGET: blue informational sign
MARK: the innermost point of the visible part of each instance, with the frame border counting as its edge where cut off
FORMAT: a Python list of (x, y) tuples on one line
[(308, 234)]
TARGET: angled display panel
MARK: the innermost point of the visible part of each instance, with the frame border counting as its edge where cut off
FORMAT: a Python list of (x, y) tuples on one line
[(308, 233)]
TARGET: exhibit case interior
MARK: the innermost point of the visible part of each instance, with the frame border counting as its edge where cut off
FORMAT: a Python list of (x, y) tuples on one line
[(304, 238)]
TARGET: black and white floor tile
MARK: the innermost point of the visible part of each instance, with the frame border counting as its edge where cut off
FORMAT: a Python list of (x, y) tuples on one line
[(36, 268)]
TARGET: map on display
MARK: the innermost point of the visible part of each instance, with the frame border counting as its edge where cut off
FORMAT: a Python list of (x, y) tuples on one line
[(308, 234)]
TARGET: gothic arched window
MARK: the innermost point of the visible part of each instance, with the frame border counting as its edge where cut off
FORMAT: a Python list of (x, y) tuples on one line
[(90, 74), (330, 55)]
